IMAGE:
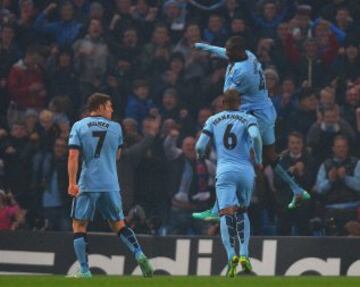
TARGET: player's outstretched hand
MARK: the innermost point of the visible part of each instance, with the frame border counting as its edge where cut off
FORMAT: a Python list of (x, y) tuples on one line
[(73, 190)]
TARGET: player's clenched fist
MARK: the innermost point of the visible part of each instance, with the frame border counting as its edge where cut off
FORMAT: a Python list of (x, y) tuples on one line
[(73, 190)]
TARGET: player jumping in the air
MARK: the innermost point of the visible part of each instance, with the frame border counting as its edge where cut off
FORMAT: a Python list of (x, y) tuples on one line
[(233, 133), (244, 74), (99, 140)]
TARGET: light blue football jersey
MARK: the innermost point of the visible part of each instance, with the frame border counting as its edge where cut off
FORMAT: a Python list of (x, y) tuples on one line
[(248, 79), (229, 131), (99, 140)]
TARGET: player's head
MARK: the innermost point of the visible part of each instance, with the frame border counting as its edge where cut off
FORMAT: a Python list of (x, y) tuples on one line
[(235, 48), (100, 104), (231, 100)]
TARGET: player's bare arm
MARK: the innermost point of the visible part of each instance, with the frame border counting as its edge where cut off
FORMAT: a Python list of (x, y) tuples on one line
[(73, 165)]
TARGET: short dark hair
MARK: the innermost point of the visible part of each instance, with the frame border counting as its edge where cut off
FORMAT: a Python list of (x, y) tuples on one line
[(342, 138), (296, 135), (307, 93), (237, 42), (140, 83), (96, 100)]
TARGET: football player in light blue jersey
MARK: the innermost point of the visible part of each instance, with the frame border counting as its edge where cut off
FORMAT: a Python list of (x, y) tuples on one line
[(99, 140), (244, 73), (233, 134)]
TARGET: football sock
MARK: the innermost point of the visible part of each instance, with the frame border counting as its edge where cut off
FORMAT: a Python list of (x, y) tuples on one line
[(243, 232), (80, 247), (127, 236), (228, 234), (280, 171), (215, 208)]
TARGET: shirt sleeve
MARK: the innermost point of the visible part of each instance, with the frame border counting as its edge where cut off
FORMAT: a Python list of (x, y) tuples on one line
[(323, 184), (208, 128), (74, 139), (353, 182), (238, 81), (251, 121)]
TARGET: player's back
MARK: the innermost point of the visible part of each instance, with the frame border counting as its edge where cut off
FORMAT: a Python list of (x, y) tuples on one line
[(231, 139), (99, 140), (248, 78)]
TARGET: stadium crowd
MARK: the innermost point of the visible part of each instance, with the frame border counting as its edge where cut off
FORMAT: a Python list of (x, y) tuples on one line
[(55, 54)]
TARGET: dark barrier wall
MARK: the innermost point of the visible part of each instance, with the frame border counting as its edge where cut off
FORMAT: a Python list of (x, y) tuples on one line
[(52, 253)]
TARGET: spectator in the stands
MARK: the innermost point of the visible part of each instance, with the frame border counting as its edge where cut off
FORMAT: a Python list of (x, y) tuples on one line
[(347, 64), (157, 53), (215, 33), (311, 69), (272, 16), (191, 181), (175, 16), (306, 111), (11, 216), (326, 100), (139, 102), (26, 34), (61, 76), (9, 51), (239, 27), (203, 115), (195, 60), (53, 187), (64, 31), (338, 183), (90, 58), (26, 81), (327, 41), (352, 103), (344, 21), (17, 153), (299, 164), (170, 107), (272, 84), (322, 133), (81, 10)]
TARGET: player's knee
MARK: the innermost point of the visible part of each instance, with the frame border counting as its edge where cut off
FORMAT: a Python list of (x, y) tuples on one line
[(232, 210), (79, 226), (117, 226)]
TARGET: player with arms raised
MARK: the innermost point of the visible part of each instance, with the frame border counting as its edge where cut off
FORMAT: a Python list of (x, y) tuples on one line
[(233, 134), (99, 139), (244, 74)]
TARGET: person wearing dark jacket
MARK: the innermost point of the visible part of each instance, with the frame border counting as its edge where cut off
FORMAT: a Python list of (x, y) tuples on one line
[(131, 156), (338, 184), (53, 184)]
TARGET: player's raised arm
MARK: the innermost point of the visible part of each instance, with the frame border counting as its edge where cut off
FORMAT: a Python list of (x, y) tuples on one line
[(257, 142), (218, 51)]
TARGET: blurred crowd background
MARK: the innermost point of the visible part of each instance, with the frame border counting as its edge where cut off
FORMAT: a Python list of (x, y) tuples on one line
[(54, 54)]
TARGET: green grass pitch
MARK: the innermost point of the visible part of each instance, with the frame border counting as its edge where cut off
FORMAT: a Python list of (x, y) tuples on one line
[(177, 281)]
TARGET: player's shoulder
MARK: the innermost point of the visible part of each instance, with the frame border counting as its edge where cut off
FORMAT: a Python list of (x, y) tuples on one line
[(249, 118), (250, 54)]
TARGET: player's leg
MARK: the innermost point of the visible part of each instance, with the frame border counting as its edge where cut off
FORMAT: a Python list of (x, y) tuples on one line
[(226, 199), (208, 215), (299, 194), (244, 193), (83, 210), (266, 120), (111, 209)]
